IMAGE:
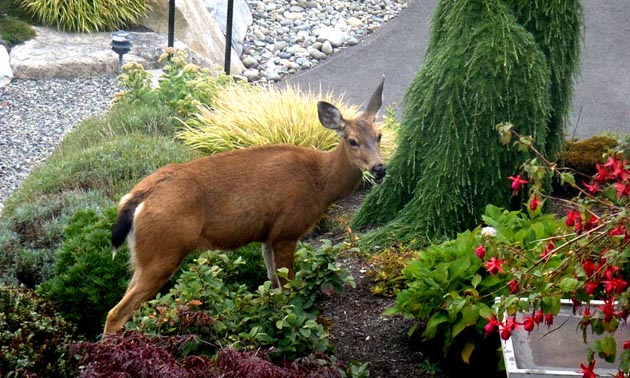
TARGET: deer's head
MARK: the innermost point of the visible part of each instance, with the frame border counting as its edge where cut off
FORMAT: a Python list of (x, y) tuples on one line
[(360, 136)]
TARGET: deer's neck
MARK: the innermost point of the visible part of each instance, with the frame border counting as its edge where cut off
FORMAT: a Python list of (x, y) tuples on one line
[(340, 176)]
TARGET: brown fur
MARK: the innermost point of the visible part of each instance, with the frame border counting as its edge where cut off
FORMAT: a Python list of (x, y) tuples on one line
[(272, 194)]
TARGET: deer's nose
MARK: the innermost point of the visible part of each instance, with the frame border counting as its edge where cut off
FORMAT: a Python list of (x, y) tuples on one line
[(379, 171)]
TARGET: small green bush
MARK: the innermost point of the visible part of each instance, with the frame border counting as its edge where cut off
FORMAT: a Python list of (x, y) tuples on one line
[(88, 282), (183, 86), (386, 270), (31, 234), (33, 338), (112, 168), (206, 302), (86, 15)]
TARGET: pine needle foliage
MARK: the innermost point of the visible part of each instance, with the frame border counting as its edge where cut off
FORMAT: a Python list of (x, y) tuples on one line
[(483, 68), (557, 26)]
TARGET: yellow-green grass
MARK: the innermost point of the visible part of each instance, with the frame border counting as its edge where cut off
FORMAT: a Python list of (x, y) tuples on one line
[(244, 116)]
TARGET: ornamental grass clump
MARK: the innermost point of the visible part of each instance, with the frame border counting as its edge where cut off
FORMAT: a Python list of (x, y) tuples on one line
[(244, 116), (86, 15)]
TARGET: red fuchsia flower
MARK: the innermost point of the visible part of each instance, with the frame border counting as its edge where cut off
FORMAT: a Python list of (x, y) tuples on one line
[(549, 319), (546, 254), (590, 223), (590, 287), (480, 252), (491, 326), (517, 182), (589, 267), (593, 187), (588, 371), (626, 344), (620, 374), (573, 217), (528, 323), (507, 328), (513, 286), (620, 230), (623, 189), (608, 310), (614, 285), (538, 316), (616, 169), (586, 318), (533, 203), (494, 265)]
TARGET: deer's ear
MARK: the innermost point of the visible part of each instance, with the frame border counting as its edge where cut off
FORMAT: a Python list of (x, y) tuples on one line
[(330, 117)]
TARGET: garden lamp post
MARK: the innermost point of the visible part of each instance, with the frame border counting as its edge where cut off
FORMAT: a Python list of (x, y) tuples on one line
[(121, 44)]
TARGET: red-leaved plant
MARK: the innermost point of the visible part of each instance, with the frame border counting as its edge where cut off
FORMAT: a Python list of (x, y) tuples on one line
[(585, 260)]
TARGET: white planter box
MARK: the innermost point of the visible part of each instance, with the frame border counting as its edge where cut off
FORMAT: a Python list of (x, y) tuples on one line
[(556, 351)]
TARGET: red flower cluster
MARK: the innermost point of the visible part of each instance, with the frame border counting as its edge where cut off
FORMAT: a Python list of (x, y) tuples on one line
[(510, 324), (613, 170)]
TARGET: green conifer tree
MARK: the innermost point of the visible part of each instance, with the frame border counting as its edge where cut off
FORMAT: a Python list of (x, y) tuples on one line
[(482, 68), (557, 28)]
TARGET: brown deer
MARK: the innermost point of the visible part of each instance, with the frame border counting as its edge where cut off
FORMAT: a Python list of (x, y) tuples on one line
[(272, 194)]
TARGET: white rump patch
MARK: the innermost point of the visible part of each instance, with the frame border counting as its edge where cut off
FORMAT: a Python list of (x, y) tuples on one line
[(124, 199), (138, 210)]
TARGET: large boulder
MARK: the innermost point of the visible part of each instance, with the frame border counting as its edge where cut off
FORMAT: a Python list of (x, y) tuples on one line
[(6, 73), (241, 19), (56, 54), (195, 27)]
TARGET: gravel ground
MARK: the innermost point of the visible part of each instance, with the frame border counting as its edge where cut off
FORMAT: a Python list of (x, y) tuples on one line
[(36, 114)]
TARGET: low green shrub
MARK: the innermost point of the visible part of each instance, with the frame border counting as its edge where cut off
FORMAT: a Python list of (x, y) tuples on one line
[(207, 303), (88, 282), (183, 86), (151, 118), (113, 168), (86, 15), (31, 234), (34, 339), (386, 270)]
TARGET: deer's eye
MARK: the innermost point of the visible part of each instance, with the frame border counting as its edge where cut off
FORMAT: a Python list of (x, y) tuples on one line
[(353, 143)]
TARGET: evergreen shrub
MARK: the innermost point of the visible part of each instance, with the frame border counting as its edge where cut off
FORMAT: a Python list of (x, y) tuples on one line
[(34, 338), (88, 282), (31, 234), (482, 69)]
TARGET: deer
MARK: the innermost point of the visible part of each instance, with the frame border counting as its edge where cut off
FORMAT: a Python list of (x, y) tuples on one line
[(273, 194)]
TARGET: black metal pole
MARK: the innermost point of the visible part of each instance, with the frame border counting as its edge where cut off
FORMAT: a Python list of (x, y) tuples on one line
[(228, 36), (171, 23)]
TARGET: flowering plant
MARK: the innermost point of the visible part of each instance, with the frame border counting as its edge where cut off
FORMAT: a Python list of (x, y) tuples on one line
[(525, 262), (584, 259)]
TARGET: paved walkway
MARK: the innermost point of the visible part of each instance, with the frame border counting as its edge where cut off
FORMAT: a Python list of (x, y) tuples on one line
[(601, 99)]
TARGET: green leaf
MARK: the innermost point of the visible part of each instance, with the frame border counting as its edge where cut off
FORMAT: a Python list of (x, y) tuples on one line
[(569, 284)]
